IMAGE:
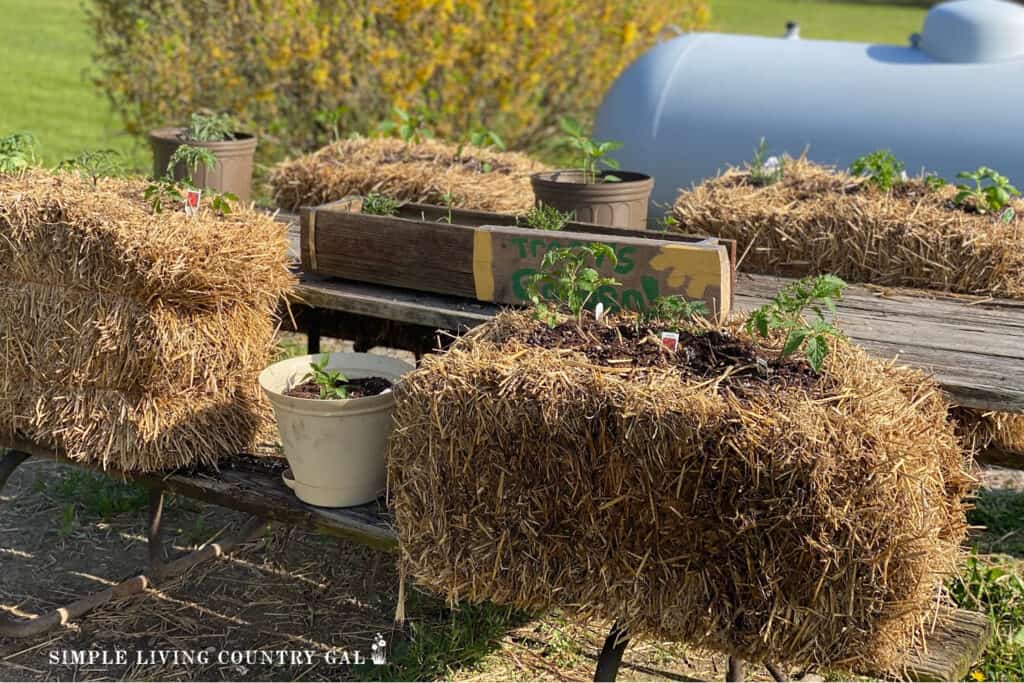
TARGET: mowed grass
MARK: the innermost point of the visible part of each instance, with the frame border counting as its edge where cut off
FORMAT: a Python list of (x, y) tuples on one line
[(854, 21), (45, 48)]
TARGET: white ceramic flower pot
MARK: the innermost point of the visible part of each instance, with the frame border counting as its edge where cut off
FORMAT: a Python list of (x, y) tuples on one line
[(335, 448)]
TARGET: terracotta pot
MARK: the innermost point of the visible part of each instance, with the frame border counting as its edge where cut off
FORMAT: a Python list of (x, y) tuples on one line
[(622, 204), (233, 172)]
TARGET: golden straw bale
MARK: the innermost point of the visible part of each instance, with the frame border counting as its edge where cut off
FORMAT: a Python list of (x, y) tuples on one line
[(80, 338), (60, 230), (821, 220), (133, 340), (807, 524), (481, 179)]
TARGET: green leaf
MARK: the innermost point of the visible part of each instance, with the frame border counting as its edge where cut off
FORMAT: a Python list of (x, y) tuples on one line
[(817, 349), (794, 340)]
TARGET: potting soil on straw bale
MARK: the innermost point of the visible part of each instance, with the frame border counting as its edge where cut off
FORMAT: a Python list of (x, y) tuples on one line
[(818, 219), (132, 339), (778, 516), (480, 179)]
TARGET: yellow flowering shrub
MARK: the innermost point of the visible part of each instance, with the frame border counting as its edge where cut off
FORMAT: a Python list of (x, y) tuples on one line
[(285, 68)]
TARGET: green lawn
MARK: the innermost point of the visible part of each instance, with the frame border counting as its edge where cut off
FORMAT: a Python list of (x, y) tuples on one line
[(46, 49)]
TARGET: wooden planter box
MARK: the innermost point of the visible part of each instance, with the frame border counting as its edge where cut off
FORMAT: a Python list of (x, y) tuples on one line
[(488, 257)]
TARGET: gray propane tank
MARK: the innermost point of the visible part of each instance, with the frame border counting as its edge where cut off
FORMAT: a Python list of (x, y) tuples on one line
[(952, 100)]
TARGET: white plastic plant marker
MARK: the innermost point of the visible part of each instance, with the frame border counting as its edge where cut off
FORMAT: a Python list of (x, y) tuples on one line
[(670, 340)]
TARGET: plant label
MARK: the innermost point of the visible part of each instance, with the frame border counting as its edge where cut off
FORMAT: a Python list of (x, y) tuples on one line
[(670, 340), (192, 202)]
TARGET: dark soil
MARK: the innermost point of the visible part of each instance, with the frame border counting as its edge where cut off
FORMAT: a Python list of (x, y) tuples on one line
[(699, 355), (357, 388), (467, 162)]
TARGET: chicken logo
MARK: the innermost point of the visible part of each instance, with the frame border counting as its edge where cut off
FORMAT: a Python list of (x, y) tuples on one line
[(379, 650)]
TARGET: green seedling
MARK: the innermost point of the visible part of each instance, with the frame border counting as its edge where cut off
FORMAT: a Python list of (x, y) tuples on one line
[(482, 138), (191, 157), (594, 154), (544, 217), (934, 183), (209, 127), (380, 205), (991, 193), (333, 384), (881, 168), (221, 202), (331, 120), (673, 310), (95, 164), (568, 278), (410, 127), (17, 152), (785, 312), (449, 200), (765, 169), (163, 192)]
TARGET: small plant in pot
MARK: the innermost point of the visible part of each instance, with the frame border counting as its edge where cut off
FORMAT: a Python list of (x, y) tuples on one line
[(334, 415), (233, 150), (596, 192)]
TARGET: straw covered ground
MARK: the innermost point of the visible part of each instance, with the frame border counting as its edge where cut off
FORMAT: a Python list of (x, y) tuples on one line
[(132, 339), (783, 517), (481, 179), (818, 219)]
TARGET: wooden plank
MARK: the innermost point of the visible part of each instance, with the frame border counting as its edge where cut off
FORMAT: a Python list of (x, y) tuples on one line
[(253, 485), (492, 263), (955, 644), (976, 351)]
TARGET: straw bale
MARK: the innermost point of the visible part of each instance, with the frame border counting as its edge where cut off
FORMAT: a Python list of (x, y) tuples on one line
[(821, 220), (417, 173), (802, 524), (60, 230), (133, 340)]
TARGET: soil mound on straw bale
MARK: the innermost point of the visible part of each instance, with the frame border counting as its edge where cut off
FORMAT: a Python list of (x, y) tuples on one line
[(728, 500), (133, 340), (820, 220), (480, 179)]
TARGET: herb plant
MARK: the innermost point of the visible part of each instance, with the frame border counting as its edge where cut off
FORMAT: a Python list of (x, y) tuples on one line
[(674, 310), (209, 128), (332, 383), (544, 217), (221, 202), (17, 152), (192, 157), (331, 120), (411, 127), (786, 312), (765, 169), (881, 168), (163, 192), (934, 182), (380, 205), (593, 153), (568, 278), (95, 164), (991, 193)]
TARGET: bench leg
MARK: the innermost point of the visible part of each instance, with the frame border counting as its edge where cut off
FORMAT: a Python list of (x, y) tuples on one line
[(735, 670), (313, 332), (611, 654), (8, 463), (154, 535)]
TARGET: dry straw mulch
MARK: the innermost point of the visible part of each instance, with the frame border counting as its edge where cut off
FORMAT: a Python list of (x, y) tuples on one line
[(795, 523), (131, 339), (481, 179), (821, 220)]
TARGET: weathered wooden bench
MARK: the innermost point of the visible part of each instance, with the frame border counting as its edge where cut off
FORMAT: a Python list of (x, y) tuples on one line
[(974, 348)]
